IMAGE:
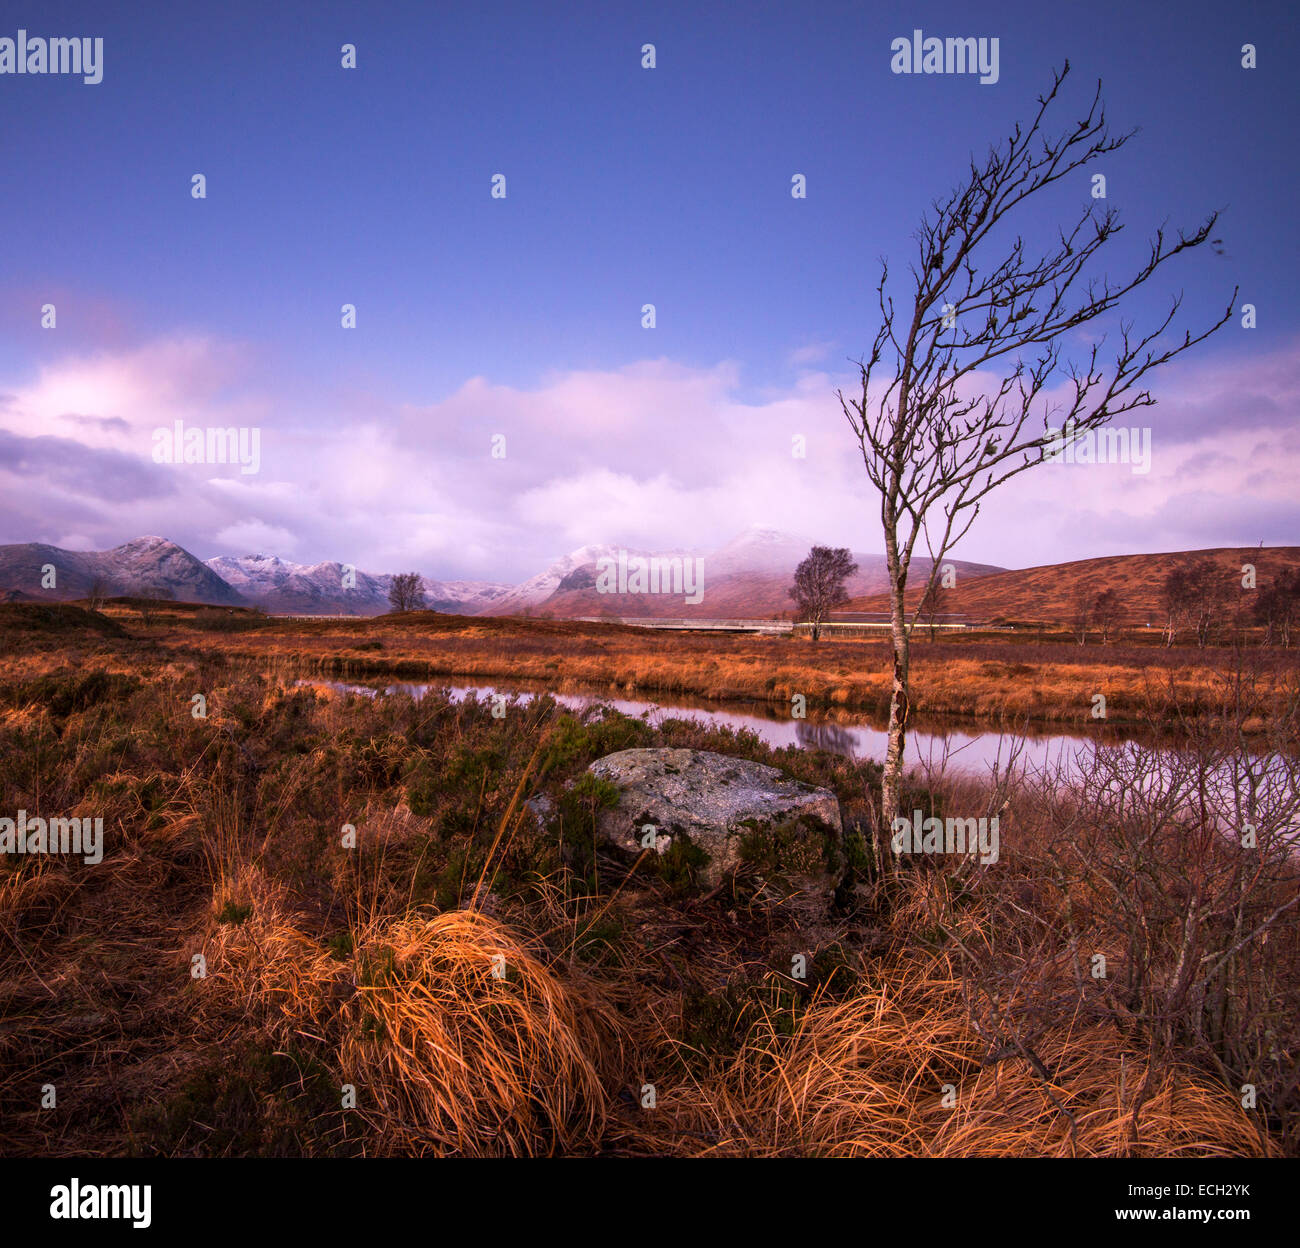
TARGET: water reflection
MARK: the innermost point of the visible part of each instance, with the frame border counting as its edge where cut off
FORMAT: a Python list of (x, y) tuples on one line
[(851, 735)]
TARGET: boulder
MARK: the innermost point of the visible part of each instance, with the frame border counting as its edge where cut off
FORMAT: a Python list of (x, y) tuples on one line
[(731, 809)]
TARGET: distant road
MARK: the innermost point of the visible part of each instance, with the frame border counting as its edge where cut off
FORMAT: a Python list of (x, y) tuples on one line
[(848, 623), (695, 625)]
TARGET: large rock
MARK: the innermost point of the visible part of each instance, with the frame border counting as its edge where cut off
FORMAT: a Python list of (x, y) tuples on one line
[(729, 808)]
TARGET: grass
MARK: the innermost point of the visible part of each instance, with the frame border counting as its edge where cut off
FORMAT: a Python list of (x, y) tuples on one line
[(979, 677), (399, 956)]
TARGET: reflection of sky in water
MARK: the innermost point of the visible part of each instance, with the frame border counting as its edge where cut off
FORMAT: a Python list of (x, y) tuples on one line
[(967, 751), (1224, 786)]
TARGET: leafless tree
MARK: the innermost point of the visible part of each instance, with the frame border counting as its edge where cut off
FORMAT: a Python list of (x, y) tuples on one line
[(935, 440), (1198, 595), (1177, 596), (936, 599), (1080, 613), (406, 593), (819, 584), (1106, 612), (96, 594), (1277, 607), (148, 602)]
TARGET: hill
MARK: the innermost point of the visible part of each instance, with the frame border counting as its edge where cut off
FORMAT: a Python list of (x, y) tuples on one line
[(749, 576), (147, 565), (1048, 593)]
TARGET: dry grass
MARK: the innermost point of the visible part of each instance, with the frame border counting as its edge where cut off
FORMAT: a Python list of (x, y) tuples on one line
[(375, 967), (969, 678), (899, 1069), (458, 1038)]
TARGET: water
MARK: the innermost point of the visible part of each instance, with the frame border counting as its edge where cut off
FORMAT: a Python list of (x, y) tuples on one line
[(1234, 787), (854, 736)]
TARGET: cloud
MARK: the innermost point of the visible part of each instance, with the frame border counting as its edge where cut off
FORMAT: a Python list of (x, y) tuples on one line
[(811, 353), (255, 537), (655, 455)]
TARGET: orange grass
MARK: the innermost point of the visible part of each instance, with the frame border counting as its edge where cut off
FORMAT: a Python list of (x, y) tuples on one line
[(493, 1023), (456, 1035), (968, 678), (899, 1070)]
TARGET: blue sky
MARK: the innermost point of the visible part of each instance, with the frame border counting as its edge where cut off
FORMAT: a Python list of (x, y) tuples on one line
[(624, 186)]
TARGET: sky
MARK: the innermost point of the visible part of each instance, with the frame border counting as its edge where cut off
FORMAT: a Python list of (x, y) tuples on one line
[(516, 323)]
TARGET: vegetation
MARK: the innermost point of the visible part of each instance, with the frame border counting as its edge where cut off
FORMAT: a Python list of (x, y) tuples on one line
[(402, 902), (934, 441), (406, 592), (819, 584)]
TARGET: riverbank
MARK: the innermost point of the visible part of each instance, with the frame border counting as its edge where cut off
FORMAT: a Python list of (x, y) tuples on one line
[(999, 682)]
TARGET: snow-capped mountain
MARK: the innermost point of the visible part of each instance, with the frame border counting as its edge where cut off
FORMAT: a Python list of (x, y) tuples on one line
[(327, 588), (331, 588), (147, 565), (537, 589), (749, 575)]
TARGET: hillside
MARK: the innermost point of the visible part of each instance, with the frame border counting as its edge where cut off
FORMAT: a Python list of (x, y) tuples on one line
[(147, 565), (1048, 593), (749, 576), (740, 594), (282, 587)]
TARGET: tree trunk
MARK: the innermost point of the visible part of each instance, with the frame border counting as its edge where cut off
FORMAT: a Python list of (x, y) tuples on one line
[(899, 705)]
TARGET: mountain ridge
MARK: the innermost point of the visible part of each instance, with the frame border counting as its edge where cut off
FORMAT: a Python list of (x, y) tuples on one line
[(748, 575)]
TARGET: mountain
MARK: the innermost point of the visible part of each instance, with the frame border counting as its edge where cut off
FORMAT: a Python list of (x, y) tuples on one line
[(465, 597), (557, 579), (281, 587), (143, 566), (749, 576), (1049, 593)]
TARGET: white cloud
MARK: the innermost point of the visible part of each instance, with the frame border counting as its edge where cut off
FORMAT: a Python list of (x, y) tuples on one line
[(654, 454)]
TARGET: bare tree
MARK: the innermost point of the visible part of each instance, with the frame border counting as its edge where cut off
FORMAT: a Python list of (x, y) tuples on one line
[(1202, 594), (819, 584), (406, 593), (96, 594), (1277, 607), (1177, 596), (1080, 613), (935, 440), (1106, 611), (148, 602), (932, 606)]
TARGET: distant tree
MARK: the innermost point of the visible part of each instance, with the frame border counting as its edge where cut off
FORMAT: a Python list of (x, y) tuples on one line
[(1106, 612), (1177, 596), (819, 584), (148, 602), (1277, 607), (406, 593), (96, 594), (1210, 598), (1198, 596), (1081, 613), (932, 605)]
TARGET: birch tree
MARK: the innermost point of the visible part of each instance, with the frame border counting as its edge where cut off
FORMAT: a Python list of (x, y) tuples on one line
[(968, 377)]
